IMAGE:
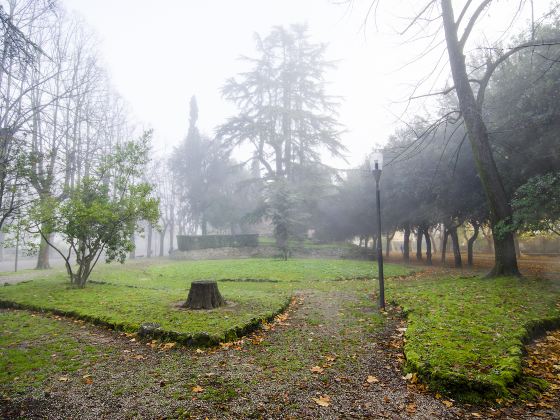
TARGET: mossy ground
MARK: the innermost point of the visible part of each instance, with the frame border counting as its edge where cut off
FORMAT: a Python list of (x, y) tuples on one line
[(158, 291), (466, 336)]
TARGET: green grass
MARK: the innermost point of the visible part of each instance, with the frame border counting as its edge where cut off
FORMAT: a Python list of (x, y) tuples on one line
[(465, 336), (158, 291), (33, 347)]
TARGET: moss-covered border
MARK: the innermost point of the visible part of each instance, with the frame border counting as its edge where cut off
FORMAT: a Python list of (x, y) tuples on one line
[(480, 390), (201, 339)]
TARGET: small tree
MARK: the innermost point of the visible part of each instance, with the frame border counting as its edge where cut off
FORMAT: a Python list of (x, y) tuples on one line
[(101, 214), (536, 204)]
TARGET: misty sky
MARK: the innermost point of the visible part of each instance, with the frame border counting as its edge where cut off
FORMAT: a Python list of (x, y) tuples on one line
[(160, 53)]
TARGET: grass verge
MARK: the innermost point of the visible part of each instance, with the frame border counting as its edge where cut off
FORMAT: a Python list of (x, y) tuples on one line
[(158, 291), (466, 336)]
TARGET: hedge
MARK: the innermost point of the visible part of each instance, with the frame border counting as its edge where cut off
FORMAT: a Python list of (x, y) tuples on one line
[(189, 243)]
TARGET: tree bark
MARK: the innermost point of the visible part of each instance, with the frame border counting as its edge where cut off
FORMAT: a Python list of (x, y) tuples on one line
[(419, 234), (406, 244), (444, 238), (149, 245), (505, 261), (388, 244), (456, 248), (43, 257), (428, 247), (470, 243), (204, 294)]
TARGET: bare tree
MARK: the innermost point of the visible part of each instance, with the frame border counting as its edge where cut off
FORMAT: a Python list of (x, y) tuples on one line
[(434, 19)]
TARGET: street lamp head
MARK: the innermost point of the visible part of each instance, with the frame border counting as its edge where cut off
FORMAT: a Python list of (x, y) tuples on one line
[(376, 164), (376, 161)]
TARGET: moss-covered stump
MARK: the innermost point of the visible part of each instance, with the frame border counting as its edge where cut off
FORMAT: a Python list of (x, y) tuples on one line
[(204, 294)]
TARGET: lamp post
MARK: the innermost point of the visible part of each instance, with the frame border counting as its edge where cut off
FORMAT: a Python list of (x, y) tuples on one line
[(376, 164)]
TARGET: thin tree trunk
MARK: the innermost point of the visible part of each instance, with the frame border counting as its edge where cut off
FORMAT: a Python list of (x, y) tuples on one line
[(428, 247), (456, 248), (149, 245), (419, 234), (444, 238), (505, 260), (406, 244), (132, 254), (43, 257), (470, 243), (516, 242), (389, 238), (434, 247), (171, 237)]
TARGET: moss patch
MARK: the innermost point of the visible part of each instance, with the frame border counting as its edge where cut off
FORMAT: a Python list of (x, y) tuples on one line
[(466, 335)]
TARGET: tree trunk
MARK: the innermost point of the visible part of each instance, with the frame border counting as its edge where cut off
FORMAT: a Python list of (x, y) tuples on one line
[(132, 254), (406, 244), (434, 247), (456, 248), (171, 235), (1, 246), (428, 247), (444, 238), (419, 234), (162, 240), (43, 257), (204, 294), (149, 246), (388, 243), (470, 243), (505, 261)]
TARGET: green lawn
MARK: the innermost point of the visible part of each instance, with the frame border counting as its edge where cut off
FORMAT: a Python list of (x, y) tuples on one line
[(257, 289), (465, 335), (33, 347)]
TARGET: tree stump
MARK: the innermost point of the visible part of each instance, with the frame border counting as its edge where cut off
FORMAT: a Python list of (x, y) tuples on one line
[(204, 294)]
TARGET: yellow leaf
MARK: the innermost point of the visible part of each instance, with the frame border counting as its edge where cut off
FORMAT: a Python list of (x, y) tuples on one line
[(63, 379), (372, 379), (323, 400), (317, 369), (447, 403), (197, 389), (199, 351), (330, 358), (168, 346)]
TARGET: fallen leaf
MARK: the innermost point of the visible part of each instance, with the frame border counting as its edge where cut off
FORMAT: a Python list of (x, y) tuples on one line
[(63, 379), (447, 403), (323, 400), (138, 357), (372, 379), (317, 369), (197, 389), (87, 379), (411, 408), (199, 351), (330, 358), (168, 346)]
